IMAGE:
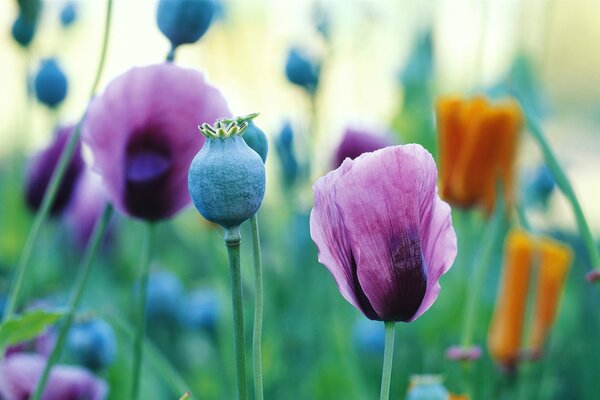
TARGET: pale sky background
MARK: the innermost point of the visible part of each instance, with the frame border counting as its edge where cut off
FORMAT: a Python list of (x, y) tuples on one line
[(244, 56)]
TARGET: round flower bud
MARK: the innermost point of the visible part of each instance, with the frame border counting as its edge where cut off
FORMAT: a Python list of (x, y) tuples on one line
[(68, 14), (227, 178), (200, 310), (301, 70), (50, 83), (257, 140), (23, 30), (93, 344), (164, 296), (184, 21)]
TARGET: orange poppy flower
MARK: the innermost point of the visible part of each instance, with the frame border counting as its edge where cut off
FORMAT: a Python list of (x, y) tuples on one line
[(555, 260), (524, 252), (477, 145), (504, 338)]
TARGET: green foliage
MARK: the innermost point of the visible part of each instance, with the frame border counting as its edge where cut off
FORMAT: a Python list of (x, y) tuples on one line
[(26, 326)]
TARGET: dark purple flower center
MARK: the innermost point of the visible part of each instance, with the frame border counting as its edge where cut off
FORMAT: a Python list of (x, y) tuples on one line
[(147, 171), (409, 281)]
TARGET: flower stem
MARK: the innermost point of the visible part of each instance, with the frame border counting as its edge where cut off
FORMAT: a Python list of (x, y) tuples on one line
[(490, 238), (142, 298), (78, 289), (232, 241), (388, 358), (565, 186), (258, 310), (50, 194), (171, 55)]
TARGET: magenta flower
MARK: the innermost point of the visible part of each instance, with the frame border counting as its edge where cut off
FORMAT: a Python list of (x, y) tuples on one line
[(85, 207), (143, 135), (20, 373), (356, 142), (42, 166), (383, 232)]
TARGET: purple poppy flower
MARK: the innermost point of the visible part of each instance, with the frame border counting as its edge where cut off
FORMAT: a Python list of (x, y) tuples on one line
[(356, 142), (20, 373), (143, 135), (86, 207), (383, 232), (42, 344), (40, 170)]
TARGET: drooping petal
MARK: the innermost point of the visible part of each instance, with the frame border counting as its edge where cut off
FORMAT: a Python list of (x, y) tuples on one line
[(143, 136), (439, 247), (329, 233), (387, 197)]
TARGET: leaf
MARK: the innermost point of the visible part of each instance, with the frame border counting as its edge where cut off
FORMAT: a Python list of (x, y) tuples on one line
[(26, 326)]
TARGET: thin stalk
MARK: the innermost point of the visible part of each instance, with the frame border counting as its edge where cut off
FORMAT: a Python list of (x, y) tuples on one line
[(171, 55), (76, 294), (388, 358), (140, 328), (161, 364), (565, 186), (258, 310), (232, 241), (50, 194)]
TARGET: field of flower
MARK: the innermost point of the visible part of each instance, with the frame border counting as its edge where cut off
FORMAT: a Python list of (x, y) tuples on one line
[(231, 199)]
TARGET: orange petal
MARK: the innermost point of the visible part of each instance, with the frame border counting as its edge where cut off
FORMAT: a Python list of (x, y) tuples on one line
[(504, 337), (451, 132), (504, 121), (555, 260)]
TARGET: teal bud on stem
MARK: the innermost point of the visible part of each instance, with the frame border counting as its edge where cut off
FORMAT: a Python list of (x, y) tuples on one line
[(227, 178), (257, 140)]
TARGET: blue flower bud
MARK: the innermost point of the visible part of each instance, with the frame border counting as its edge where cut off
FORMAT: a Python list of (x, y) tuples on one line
[(284, 145), (257, 140), (369, 336), (184, 21), (23, 30), (301, 70), (427, 387), (68, 14), (50, 83), (539, 186), (93, 344), (200, 310), (163, 296), (227, 178)]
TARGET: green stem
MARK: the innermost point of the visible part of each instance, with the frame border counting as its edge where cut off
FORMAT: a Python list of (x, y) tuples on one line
[(75, 299), (232, 241), (161, 365), (388, 358), (522, 215), (142, 298), (490, 238), (258, 310), (171, 55), (50, 194), (565, 186)]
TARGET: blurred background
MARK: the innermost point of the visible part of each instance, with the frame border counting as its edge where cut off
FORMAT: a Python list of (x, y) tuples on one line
[(316, 346)]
